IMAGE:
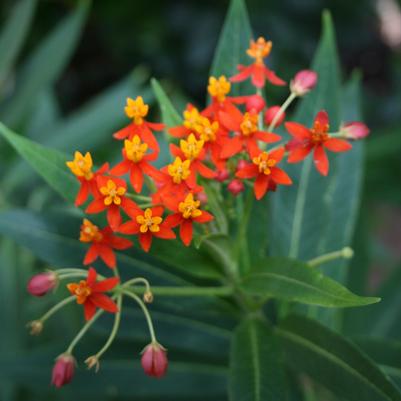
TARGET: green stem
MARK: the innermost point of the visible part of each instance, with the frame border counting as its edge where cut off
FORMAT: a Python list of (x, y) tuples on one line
[(282, 109), (114, 331), (145, 312), (56, 307), (136, 281), (242, 243), (345, 253)]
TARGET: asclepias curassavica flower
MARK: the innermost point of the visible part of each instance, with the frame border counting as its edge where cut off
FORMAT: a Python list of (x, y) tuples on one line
[(232, 146)]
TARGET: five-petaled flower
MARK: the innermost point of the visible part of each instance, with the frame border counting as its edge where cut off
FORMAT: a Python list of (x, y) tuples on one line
[(187, 212), (90, 293), (258, 72), (81, 167), (316, 139), (137, 110), (147, 224), (112, 197), (246, 133), (102, 243), (264, 169)]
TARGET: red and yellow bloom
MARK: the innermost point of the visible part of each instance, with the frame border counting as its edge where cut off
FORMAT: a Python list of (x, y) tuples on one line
[(90, 293), (316, 139)]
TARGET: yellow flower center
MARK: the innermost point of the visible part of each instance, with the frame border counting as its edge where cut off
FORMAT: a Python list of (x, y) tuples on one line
[(191, 118), (149, 222), (136, 109), (207, 130), (249, 124), (81, 290), (179, 170), (259, 49), (90, 232), (135, 149), (219, 88), (190, 207), (191, 147), (264, 163), (81, 166), (112, 193), (320, 132)]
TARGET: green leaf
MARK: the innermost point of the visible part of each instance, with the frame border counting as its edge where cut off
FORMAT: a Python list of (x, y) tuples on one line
[(13, 35), (233, 42), (256, 367), (333, 361), (293, 280), (45, 65), (49, 163), (317, 214), (170, 116)]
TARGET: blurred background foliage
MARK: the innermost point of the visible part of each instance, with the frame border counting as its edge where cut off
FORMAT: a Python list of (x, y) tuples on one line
[(65, 71)]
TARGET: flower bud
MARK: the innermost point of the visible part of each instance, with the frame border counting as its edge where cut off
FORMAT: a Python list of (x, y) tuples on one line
[(236, 187), (40, 284), (63, 370), (93, 361), (240, 165), (202, 197), (148, 297), (222, 175), (354, 130), (255, 103), (303, 82), (154, 360), (271, 113)]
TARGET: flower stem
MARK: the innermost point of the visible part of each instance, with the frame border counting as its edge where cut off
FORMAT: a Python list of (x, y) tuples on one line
[(242, 243), (136, 281), (145, 312), (345, 253), (56, 307), (114, 330), (282, 109), (184, 291)]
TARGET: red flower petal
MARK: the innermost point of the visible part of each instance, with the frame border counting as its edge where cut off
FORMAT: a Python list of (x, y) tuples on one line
[(205, 217), (120, 243), (96, 206), (104, 302), (173, 220), (321, 160), (231, 147), (245, 72), (91, 255), (107, 255), (322, 117), (337, 145), (136, 177), (277, 154), (260, 186), (279, 176), (130, 227), (124, 133), (121, 168), (273, 78), (297, 130), (91, 278), (83, 193), (165, 232), (89, 309), (130, 207), (148, 137), (248, 171), (298, 154), (106, 284), (205, 171), (145, 240), (186, 231)]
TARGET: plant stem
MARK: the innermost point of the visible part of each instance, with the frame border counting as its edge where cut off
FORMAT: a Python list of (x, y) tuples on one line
[(145, 312), (345, 253), (136, 281), (242, 243), (282, 109), (114, 330), (56, 307), (184, 291)]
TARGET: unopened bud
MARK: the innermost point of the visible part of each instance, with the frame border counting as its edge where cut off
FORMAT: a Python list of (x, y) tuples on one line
[(255, 103), (236, 187), (148, 297), (270, 115), (36, 327), (154, 360), (63, 370), (240, 165), (93, 361), (347, 252), (40, 284), (354, 130), (222, 175), (303, 82)]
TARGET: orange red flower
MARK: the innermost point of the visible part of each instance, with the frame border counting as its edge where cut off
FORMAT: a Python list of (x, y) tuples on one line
[(316, 139), (90, 293), (258, 72), (103, 242), (147, 224)]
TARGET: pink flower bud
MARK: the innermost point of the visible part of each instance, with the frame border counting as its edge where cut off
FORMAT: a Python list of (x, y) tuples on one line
[(40, 284), (303, 82), (355, 130), (241, 164), (154, 360), (63, 370), (222, 175), (271, 113), (255, 103), (235, 187), (202, 197)]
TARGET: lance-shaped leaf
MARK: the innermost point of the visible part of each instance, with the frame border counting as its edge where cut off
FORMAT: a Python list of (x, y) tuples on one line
[(233, 42), (296, 281), (256, 366), (49, 163), (335, 362)]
